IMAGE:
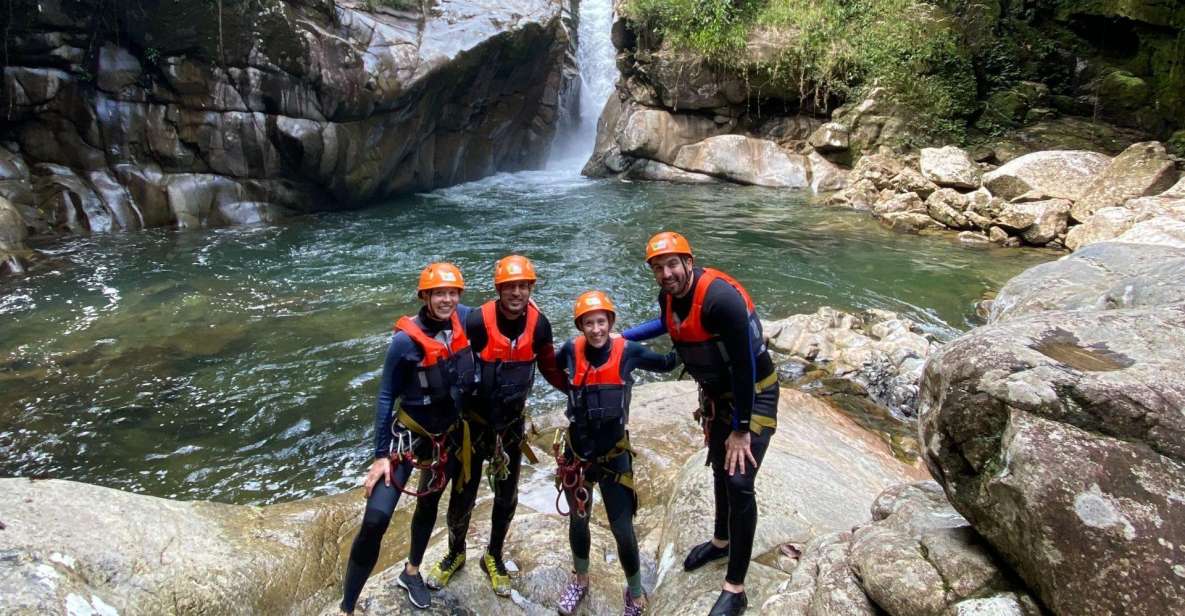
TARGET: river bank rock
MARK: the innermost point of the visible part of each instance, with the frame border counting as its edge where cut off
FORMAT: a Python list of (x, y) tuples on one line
[(745, 160), (1059, 174), (949, 166), (206, 117), (143, 555), (1056, 429), (1142, 170), (916, 556), (878, 351)]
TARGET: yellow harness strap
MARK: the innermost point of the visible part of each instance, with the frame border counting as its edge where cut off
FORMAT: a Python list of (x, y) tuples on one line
[(465, 455)]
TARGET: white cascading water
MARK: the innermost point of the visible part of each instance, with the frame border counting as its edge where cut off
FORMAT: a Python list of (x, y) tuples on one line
[(598, 73)]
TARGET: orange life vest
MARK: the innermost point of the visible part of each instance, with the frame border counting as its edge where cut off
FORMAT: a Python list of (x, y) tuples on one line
[(702, 352), (505, 368), (433, 396), (598, 399)]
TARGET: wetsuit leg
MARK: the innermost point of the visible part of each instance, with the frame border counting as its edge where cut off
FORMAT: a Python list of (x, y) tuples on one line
[(716, 436), (460, 504), (424, 517), (739, 500), (506, 492), (365, 551), (578, 534), (620, 507)]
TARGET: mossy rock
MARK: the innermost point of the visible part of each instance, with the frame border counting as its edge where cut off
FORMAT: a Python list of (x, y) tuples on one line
[(1003, 109), (1176, 144), (1122, 91)]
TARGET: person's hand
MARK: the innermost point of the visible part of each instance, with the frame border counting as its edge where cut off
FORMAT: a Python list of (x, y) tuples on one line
[(379, 469), (736, 451)]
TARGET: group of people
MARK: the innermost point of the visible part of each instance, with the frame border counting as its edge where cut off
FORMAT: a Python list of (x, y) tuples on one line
[(453, 399)]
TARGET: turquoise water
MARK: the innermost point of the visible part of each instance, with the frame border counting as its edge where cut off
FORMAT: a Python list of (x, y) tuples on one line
[(241, 364)]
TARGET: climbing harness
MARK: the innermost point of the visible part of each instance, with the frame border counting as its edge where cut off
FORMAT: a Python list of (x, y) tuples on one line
[(403, 452), (569, 477)]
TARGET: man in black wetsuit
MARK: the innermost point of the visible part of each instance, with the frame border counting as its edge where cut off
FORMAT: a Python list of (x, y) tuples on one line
[(712, 323), (509, 337)]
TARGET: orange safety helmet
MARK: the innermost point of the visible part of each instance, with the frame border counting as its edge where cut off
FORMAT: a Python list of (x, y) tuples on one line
[(440, 276), (667, 243), (513, 268), (591, 301)]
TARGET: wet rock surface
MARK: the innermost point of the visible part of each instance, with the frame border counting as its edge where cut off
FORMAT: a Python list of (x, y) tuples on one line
[(1056, 429), (198, 117), (878, 351), (916, 556), (822, 474)]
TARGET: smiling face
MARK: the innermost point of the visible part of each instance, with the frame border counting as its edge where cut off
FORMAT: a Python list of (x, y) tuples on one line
[(596, 326), (514, 296), (673, 273), (442, 302)]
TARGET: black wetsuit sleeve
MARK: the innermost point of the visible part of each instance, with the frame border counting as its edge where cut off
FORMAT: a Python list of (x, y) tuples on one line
[(726, 315), (637, 356), (390, 388), (545, 356), (475, 330)]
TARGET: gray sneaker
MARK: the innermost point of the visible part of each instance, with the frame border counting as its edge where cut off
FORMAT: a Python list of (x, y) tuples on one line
[(417, 592)]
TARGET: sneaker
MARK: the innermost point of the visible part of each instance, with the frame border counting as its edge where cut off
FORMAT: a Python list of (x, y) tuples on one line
[(573, 594), (496, 571), (444, 570), (631, 608), (703, 554), (730, 604), (417, 592)]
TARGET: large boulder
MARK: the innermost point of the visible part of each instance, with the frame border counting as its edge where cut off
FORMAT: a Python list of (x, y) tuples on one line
[(950, 167), (81, 549), (1064, 174), (745, 160), (1056, 430), (653, 171), (1162, 230), (1038, 222), (946, 205), (1059, 436), (1098, 276), (1111, 222), (658, 134), (1142, 170)]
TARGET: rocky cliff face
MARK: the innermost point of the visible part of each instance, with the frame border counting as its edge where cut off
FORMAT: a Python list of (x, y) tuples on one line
[(1041, 74), (168, 113)]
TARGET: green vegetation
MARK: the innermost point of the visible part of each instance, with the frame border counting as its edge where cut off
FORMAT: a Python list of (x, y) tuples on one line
[(831, 49)]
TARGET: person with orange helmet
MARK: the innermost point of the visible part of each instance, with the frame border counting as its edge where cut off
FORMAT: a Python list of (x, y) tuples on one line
[(509, 337), (712, 322), (595, 449), (418, 425)]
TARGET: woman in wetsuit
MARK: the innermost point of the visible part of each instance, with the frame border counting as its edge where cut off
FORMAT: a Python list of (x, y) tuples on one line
[(595, 449), (428, 367)]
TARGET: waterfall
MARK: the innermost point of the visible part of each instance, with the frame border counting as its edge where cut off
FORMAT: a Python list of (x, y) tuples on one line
[(597, 61)]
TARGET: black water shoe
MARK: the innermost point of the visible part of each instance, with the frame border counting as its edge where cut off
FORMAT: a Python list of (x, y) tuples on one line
[(730, 604), (417, 592), (703, 554)]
